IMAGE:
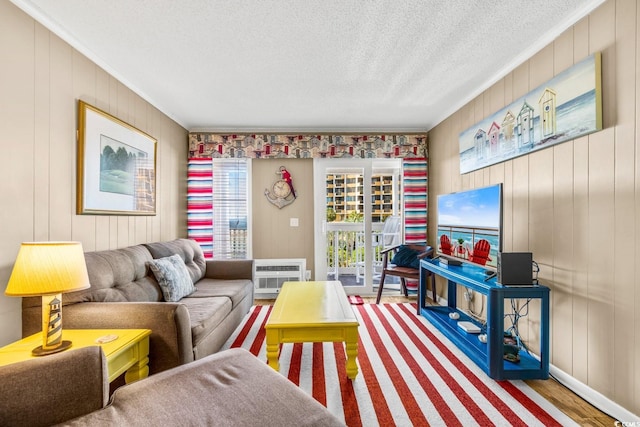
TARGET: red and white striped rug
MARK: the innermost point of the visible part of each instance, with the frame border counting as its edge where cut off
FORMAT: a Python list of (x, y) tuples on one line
[(409, 375)]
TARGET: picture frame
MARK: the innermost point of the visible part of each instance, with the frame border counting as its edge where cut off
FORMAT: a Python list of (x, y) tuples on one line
[(116, 166), (564, 108)]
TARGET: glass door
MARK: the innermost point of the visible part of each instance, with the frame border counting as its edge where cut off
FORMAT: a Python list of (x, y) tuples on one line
[(359, 195)]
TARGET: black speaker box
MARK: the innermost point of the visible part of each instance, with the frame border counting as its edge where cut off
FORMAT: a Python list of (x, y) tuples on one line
[(515, 268)]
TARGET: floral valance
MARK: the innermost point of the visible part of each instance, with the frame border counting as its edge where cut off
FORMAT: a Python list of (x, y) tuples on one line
[(304, 146)]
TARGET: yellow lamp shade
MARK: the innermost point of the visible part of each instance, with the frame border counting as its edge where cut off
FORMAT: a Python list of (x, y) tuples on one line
[(45, 268)]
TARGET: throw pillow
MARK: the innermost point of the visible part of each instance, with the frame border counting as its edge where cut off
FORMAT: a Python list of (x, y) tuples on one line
[(173, 277), (406, 257)]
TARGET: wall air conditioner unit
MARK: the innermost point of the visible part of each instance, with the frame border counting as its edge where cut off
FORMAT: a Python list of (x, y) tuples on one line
[(270, 274)]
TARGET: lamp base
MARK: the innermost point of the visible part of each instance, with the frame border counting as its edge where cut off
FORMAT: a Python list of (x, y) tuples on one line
[(39, 351)]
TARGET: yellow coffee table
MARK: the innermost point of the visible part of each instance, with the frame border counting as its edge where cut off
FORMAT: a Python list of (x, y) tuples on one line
[(312, 312), (128, 353)]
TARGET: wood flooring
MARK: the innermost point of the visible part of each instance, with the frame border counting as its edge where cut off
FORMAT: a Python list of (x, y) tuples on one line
[(579, 410)]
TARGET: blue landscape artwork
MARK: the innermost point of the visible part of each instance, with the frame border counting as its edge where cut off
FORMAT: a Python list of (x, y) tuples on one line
[(564, 108)]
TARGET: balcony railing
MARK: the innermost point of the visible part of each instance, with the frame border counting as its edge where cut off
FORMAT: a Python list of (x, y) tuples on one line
[(346, 249), (238, 243)]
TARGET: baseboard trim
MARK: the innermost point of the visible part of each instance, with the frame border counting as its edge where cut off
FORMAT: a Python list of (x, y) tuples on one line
[(595, 398)]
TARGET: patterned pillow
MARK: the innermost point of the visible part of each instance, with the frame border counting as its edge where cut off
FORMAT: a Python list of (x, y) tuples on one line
[(173, 277)]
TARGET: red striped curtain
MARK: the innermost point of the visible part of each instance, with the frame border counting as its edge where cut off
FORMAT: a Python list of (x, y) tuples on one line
[(200, 203), (415, 199)]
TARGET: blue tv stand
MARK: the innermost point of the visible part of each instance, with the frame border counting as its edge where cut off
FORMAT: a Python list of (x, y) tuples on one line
[(489, 355)]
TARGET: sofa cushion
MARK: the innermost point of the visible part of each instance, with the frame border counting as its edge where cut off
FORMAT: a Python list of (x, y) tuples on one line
[(205, 315), (231, 388), (189, 251), (117, 275), (235, 290), (172, 276)]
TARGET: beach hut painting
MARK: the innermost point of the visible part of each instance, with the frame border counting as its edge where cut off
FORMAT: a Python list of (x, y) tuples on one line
[(564, 108)]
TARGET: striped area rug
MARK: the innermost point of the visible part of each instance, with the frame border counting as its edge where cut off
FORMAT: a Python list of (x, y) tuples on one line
[(409, 375)]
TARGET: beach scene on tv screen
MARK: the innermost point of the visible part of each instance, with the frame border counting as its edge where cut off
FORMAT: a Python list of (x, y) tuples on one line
[(468, 222)]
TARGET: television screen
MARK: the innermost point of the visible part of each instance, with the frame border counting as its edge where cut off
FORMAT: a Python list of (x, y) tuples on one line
[(470, 225)]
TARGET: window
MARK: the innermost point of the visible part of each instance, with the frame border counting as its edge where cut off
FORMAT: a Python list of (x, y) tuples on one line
[(218, 207)]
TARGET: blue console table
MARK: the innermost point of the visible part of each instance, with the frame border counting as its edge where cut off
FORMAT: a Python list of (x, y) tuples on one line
[(489, 355)]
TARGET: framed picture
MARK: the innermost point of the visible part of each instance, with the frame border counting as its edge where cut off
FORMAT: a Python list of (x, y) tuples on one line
[(116, 166), (564, 108)]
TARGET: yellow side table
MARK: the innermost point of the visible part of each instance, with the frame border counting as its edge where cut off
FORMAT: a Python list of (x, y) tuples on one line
[(129, 352)]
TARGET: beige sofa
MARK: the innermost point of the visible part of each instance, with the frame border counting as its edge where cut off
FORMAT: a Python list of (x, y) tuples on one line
[(125, 293), (230, 388)]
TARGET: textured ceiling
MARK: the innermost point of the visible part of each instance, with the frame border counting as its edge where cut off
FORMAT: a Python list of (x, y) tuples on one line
[(307, 65)]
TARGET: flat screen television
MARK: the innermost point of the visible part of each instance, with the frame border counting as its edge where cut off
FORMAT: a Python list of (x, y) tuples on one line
[(470, 225)]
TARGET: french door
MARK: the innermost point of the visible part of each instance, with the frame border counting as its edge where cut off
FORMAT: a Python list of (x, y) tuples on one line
[(353, 197)]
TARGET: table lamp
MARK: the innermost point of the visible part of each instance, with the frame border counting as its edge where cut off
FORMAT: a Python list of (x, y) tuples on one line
[(49, 269)]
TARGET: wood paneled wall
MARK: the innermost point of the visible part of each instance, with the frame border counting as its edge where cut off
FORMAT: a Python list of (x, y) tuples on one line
[(273, 235), (576, 205), (41, 79)]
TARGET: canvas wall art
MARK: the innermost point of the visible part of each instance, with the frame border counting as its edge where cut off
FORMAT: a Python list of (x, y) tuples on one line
[(564, 108)]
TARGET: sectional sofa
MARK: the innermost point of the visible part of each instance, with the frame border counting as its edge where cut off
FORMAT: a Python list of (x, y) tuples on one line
[(141, 287)]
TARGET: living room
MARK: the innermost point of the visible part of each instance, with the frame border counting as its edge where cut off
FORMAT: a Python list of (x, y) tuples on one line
[(574, 206)]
